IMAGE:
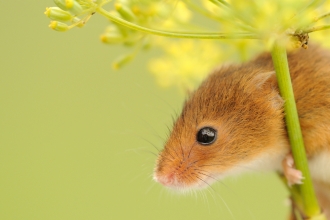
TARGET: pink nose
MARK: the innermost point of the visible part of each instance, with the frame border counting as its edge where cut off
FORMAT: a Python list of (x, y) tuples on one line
[(166, 180)]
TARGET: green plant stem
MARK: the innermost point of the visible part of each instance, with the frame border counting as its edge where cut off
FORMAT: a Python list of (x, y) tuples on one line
[(238, 15), (224, 3), (317, 28), (209, 15), (311, 207), (175, 34), (219, 3), (202, 11), (322, 16)]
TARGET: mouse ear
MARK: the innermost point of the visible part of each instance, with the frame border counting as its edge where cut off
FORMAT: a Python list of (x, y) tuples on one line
[(265, 79), (262, 78)]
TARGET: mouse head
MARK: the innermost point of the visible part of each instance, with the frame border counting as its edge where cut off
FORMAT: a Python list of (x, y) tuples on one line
[(232, 123)]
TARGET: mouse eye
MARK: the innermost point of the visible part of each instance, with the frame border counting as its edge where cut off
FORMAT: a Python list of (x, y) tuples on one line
[(206, 136)]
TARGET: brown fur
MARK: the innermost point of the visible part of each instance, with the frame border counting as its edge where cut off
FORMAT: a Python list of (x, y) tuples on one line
[(242, 103)]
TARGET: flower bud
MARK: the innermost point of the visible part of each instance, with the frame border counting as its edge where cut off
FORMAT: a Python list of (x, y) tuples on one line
[(114, 27), (122, 60), (146, 44), (58, 26), (113, 34), (125, 12), (111, 38), (131, 41), (69, 5), (57, 14)]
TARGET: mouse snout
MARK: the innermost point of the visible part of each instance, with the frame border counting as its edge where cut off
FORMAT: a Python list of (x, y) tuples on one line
[(176, 173), (169, 175), (166, 180)]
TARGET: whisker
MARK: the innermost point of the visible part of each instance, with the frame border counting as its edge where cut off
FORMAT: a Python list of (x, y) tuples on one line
[(150, 92), (212, 194), (150, 187), (219, 197), (173, 119), (153, 130), (152, 144), (169, 130), (182, 149), (173, 158), (237, 196), (202, 172), (191, 149), (225, 165), (205, 199), (166, 158), (217, 180), (129, 110), (176, 153), (138, 150), (192, 163), (137, 176), (207, 175)]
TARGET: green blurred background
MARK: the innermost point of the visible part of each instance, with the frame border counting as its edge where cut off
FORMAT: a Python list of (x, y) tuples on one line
[(74, 134)]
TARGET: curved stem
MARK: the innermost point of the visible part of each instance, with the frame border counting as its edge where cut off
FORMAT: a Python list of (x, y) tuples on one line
[(311, 207), (322, 16), (219, 3), (175, 34), (202, 11), (223, 2), (317, 28), (207, 14), (238, 15)]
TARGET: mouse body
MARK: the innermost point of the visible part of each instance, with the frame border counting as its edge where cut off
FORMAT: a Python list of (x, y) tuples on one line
[(234, 123)]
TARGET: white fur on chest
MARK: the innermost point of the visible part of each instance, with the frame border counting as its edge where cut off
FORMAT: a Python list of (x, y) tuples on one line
[(320, 167), (265, 162)]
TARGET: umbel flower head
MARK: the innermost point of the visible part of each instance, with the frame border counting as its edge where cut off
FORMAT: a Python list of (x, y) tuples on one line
[(267, 20), (133, 21)]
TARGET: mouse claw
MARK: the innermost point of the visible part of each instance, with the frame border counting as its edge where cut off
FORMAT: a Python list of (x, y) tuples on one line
[(292, 175)]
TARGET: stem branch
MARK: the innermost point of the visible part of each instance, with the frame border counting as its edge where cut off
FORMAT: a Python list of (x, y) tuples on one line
[(311, 207), (176, 34), (322, 16), (317, 28)]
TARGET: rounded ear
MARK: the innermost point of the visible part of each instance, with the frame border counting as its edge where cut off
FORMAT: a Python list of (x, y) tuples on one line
[(262, 78), (268, 79)]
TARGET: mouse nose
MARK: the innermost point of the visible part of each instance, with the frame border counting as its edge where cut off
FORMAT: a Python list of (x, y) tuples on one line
[(165, 179)]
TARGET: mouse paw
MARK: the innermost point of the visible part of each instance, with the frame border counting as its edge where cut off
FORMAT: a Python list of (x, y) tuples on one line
[(292, 175)]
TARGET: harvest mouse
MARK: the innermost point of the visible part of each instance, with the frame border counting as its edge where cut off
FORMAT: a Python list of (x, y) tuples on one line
[(234, 122)]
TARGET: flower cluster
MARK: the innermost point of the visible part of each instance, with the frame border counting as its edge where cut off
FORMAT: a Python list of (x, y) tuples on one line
[(71, 13), (269, 20), (133, 23), (186, 63), (145, 13)]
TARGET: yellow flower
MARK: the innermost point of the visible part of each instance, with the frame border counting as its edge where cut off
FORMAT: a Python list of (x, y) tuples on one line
[(187, 62)]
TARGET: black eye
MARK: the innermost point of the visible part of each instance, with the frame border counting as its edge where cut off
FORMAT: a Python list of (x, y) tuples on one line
[(206, 135)]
